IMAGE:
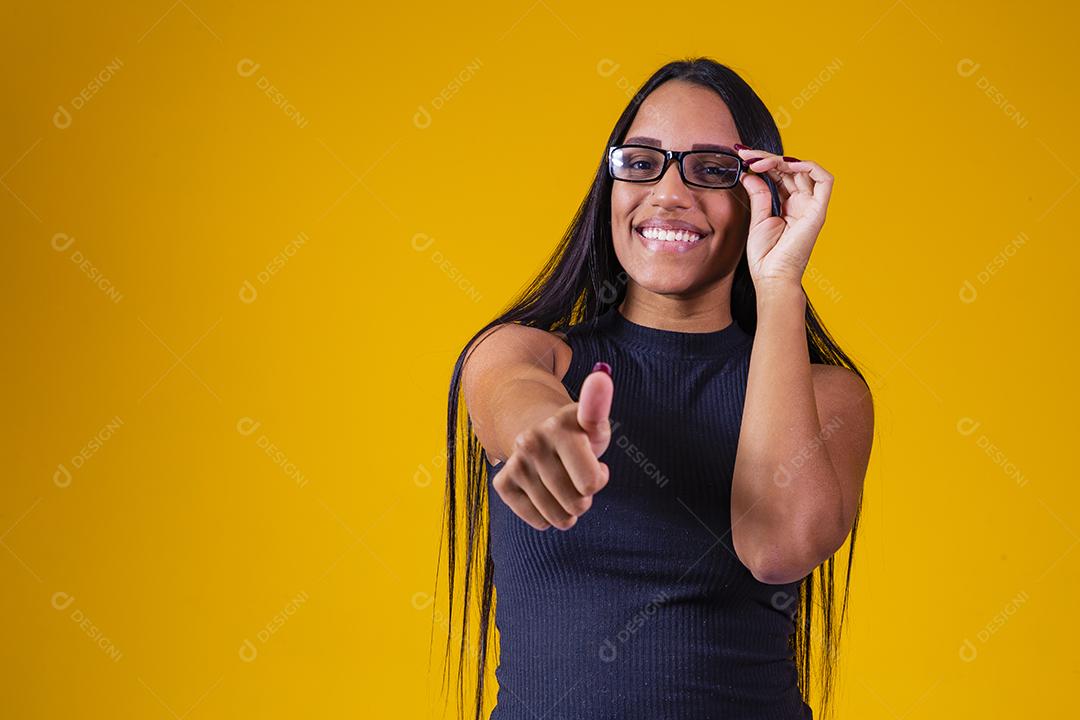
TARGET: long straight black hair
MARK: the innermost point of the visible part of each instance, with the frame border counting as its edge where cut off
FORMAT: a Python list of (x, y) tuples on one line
[(581, 280)]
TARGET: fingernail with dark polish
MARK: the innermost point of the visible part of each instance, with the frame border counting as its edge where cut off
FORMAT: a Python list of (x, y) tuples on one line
[(738, 146), (602, 366), (792, 159)]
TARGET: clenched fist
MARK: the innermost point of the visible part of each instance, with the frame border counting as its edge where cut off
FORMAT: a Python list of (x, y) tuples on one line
[(553, 471)]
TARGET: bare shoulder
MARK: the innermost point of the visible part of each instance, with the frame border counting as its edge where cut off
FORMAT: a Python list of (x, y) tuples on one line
[(499, 361), (521, 344), (837, 375), (838, 387)]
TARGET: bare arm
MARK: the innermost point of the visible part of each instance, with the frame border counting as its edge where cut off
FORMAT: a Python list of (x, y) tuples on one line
[(804, 446), (509, 385), (524, 416)]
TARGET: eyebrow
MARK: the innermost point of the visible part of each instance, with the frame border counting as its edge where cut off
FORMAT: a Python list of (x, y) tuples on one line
[(642, 140)]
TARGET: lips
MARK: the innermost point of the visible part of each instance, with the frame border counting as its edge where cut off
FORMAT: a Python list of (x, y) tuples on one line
[(671, 226)]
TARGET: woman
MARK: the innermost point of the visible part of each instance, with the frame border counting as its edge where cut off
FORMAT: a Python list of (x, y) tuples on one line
[(659, 495)]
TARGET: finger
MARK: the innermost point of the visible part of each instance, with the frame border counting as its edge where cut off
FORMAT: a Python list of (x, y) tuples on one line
[(508, 487), (557, 480), (758, 163), (777, 169), (823, 181), (518, 501), (819, 180), (594, 409), (767, 165), (796, 175), (530, 480), (788, 180), (586, 471), (803, 183), (771, 165), (784, 185), (760, 198), (751, 155)]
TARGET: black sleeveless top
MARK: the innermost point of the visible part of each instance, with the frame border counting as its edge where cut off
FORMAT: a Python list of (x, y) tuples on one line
[(642, 609)]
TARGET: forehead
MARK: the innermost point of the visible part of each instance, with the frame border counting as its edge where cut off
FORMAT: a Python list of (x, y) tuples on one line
[(681, 114)]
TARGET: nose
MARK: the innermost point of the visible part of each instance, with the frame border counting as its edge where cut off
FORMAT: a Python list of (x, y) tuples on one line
[(670, 190)]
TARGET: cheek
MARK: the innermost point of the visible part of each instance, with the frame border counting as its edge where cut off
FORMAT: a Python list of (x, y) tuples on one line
[(624, 201), (730, 212)]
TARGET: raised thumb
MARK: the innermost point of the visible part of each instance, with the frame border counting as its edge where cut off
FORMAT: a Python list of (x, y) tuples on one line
[(594, 407)]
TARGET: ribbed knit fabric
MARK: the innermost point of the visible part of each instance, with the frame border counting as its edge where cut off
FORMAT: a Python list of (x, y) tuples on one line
[(642, 609)]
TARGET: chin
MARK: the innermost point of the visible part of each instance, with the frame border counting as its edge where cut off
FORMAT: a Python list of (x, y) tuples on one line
[(657, 281)]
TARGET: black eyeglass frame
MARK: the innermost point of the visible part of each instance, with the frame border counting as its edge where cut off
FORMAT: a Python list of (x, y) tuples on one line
[(678, 156)]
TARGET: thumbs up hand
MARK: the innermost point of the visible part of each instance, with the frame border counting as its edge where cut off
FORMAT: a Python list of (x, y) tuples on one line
[(553, 471)]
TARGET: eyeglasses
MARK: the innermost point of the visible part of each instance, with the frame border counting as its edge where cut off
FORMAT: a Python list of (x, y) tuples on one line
[(698, 168)]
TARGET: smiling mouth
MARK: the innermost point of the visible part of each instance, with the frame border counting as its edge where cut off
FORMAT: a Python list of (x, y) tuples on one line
[(657, 239), (653, 233)]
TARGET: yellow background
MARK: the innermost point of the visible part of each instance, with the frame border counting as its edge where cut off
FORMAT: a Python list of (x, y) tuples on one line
[(267, 474)]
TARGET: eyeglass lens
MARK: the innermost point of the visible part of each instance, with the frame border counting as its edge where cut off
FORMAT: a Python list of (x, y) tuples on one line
[(704, 168)]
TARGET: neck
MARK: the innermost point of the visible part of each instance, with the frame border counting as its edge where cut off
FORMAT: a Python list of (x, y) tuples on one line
[(707, 311)]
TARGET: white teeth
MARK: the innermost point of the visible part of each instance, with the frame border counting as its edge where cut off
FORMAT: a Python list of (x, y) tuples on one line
[(670, 235)]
